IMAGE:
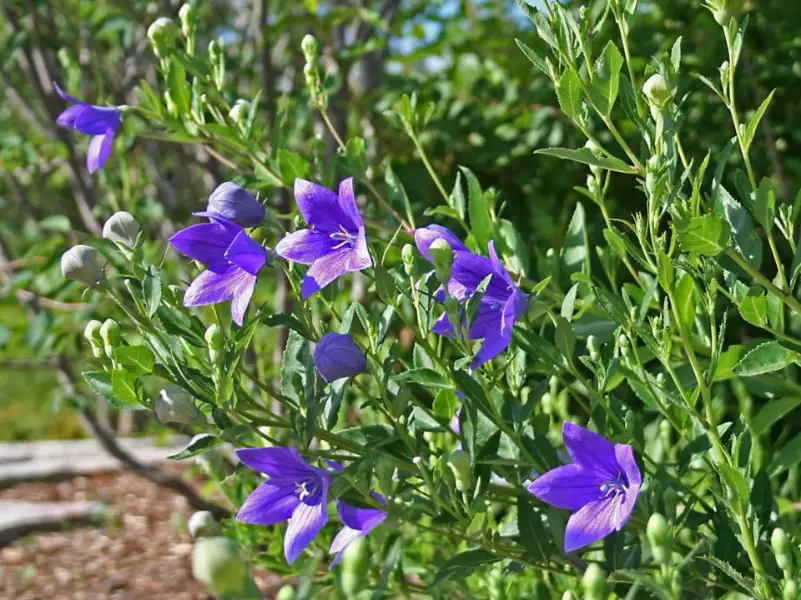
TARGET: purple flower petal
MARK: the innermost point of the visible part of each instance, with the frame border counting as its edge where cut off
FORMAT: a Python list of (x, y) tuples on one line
[(246, 254), (360, 257), (487, 323), (515, 308), (241, 299), (491, 348), (305, 246), (70, 115), (320, 207), (443, 326), (337, 356), (305, 524), (590, 450), (497, 265), (624, 454), (206, 242), (277, 462), (96, 120), (236, 204), (470, 270), (212, 287), (592, 522), (325, 270), (425, 236), (345, 536), (65, 96), (569, 487), (347, 204), (99, 150), (269, 503), (363, 519)]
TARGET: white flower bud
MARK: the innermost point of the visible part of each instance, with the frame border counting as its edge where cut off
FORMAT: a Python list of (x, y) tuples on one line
[(656, 90), (216, 563), (202, 524), (84, 264), (121, 228), (175, 405)]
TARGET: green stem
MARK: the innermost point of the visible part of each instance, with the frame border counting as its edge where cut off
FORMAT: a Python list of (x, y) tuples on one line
[(788, 299)]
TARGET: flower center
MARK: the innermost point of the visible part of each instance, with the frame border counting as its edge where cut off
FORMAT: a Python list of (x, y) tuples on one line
[(615, 487), (306, 489), (344, 238)]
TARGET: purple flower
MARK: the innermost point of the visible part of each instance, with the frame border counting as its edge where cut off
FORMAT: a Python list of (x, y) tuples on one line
[(601, 486), (358, 522), (338, 356), (102, 122), (235, 204), (233, 259), (501, 305), (296, 491), (335, 242)]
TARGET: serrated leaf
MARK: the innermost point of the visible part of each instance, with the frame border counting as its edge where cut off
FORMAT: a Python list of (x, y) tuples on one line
[(127, 393), (197, 445), (151, 288), (137, 360), (745, 236), (179, 87), (754, 307), (750, 131), (685, 298), (606, 83), (445, 404), (765, 358), (535, 58), (708, 235), (569, 94), (585, 156)]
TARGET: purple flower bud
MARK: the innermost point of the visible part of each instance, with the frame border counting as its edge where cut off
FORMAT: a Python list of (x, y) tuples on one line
[(338, 356), (233, 203)]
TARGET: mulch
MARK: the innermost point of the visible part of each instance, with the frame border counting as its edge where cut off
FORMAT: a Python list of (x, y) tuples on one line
[(140, 550)]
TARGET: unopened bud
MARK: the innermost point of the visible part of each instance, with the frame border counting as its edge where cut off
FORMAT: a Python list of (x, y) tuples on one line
[(407, 255), (121, 228), (239, 111), (355, 567), (110, 334), (188, 18), (161, 35), (594, 582), (83, 264), (309, 47), (216, 563), (779, 542), (657, 530), (202, 524), (175, 405), (594, 347), (215, 51), (671, 498), (459, 463), (568, 595), (441, 255), (92, 332), (790, 591), (286, 593), (215, 337), (656, 90)]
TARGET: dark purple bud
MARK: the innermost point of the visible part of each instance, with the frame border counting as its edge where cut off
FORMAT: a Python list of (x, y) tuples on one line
[(232, 202), (338, 356)]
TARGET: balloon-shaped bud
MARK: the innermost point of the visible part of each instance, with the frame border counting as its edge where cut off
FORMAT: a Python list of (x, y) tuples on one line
[(216, 563), (407, 256), (656, 90), (355, 564), (121, 228), (175, 405), (594, 582), (441, 255), (188, 18), (309, 46), (236, 204), (202, 524), (459, 463), (161, 34), (215, 337), (92, 332), (83, 264), (337, 356), (286, 593)]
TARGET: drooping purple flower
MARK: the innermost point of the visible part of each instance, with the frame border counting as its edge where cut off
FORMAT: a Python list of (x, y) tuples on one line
[(296, 491), (601, 486), (335, 242), (235, 204), (233, 261), (358, 522), (102, 122), (501, 305), (338, 356)]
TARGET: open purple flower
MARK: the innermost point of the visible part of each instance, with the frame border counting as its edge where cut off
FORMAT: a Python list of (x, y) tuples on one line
[(601, 486), (358, 522), (102, 122), (233, 259), (235, 204), (335, 242), (337, 356), (296, 491), (501, 305)]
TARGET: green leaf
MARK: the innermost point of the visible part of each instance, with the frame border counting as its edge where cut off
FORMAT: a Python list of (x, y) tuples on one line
[(291, 166), (513, 245), (535, 58), (457, 199), (750, 131), (685, 298), (565, 337), (569, 94), (708, 235), (151, 287), (746, 239), (127, 390), (137, 360), (355, 155), (765, 204), (425, 377), (197, 445), (179, 87), (480, 224), (445, 404), (537, 346), (463, 565), (790, 455), (396, 192), (297, 370), (754, 307), (765, 358), (736, 481), (772, 412), (533, 536), (370, 436), (606, 82), (585, 156), (576, 251)]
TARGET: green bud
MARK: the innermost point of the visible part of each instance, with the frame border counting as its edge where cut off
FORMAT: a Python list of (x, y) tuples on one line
[(92, 332), (121, 228), (188, 18), (671, 498), (568, 595), (623, 340), (216, 563), (215, 51), (110, 333), (594, 582), (215, 337), (161, 34), (779, 541), (441, 255), (657, 530), (407, 255), (286, 593), (239, 111), (459, 463), (790, 591), (656, 90), (202, 524), (355, 566), (309, 47), (594, 347), (176, 405), (83, 264)]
